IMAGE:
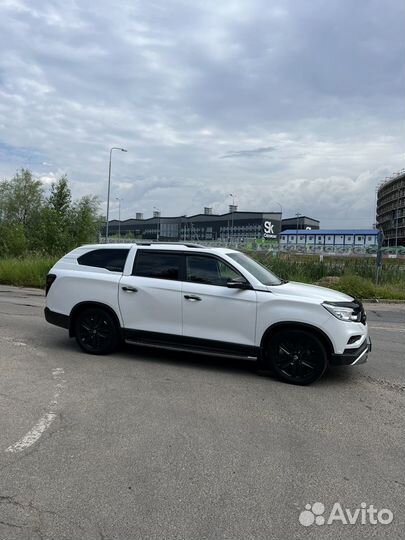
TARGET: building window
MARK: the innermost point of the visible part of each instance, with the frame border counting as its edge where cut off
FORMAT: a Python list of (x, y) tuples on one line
[(292, 237), (329, 238), (283, 238), (369, 238), (301, 238), (359, 238), (310, 238)]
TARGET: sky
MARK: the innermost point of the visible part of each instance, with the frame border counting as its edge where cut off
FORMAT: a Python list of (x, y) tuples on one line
[(286, 104)]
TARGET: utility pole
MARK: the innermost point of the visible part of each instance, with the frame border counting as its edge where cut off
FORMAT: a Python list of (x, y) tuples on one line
[(233, 206), (119, 217), (157, 214), (296, 236), (108, 190)]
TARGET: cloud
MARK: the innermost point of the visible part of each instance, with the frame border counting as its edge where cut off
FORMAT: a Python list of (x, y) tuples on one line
[(181, 83), (248, 153)]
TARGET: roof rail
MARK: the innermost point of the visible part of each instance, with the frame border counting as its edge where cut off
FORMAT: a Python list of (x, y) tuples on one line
[(157, 243)]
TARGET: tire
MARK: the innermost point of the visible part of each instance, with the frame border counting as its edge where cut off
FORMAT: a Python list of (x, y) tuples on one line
[(295, 356), (96, 331)]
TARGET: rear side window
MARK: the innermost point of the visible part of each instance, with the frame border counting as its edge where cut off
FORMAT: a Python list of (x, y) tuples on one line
[(110, 259), (158, 265)]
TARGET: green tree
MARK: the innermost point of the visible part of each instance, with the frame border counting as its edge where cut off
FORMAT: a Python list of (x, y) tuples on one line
[(60, 198), (12, 239), (86, 221), (53, 225), (22, 198), (57, 216)]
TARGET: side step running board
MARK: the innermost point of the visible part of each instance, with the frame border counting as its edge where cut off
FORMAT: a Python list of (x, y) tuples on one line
[(194, 350)]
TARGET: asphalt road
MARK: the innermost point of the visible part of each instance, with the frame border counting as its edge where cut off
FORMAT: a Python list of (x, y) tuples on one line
[(144, 444)]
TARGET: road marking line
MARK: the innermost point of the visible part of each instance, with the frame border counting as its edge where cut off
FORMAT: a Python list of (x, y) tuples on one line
[(13, 341), (45, 421)]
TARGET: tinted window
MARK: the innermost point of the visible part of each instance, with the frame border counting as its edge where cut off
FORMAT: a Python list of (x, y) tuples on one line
[(110, 259), (209, 270), (157, 265)]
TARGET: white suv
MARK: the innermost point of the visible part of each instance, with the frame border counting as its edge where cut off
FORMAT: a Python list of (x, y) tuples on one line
[(208, 300)]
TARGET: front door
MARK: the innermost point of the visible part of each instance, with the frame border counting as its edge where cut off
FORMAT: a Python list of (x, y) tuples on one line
[(211, 310)]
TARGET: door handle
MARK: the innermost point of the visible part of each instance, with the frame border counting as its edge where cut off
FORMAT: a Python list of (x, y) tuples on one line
[(192, 298), (129, 289)]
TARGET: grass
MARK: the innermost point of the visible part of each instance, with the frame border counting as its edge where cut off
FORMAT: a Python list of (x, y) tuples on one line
[(354, 276), (365, 288), (25, 272)]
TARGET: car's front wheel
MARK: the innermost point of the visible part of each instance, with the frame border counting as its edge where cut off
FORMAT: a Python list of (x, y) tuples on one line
[(96, 331), (295, 356)]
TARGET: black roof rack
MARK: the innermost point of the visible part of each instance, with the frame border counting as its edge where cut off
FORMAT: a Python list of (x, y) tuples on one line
[(157, 243)]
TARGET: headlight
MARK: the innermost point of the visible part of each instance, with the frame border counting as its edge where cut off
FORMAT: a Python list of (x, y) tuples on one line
[(344, 311)]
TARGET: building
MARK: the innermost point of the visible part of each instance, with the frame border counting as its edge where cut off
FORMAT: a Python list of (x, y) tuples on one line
[(234, 225), (390, 216), (340, 240), (299, 222)]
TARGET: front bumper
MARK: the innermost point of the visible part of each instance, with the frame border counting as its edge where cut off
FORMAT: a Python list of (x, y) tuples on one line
[(351, 357)]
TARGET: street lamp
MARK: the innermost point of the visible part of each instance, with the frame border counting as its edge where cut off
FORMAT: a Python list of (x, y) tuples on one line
[(281, 223), (119, 216), (158, 223), (108, 192), (296, 235), (233, 206), (281, 208)]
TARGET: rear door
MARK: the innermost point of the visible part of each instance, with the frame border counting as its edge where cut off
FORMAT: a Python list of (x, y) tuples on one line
[(150, 298), (211, 310)]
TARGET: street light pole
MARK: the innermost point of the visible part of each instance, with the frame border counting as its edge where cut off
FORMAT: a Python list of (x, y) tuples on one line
[(233, 206), (296, 236), (281, 223), (158, 223), (119, 217), (108, 192)]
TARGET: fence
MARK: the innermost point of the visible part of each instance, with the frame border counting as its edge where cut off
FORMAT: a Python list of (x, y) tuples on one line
[(274, 247)]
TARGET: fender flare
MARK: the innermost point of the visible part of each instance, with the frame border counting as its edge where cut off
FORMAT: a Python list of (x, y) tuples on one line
[(301, 326), (90, 303)]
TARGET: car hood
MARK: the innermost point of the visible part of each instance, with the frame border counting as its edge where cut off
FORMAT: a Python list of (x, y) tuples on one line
[(294, 288)]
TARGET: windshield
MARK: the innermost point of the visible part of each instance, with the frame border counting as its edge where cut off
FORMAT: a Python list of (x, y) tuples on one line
[(257, 270)]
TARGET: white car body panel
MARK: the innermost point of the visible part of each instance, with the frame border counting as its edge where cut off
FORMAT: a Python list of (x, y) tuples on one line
[(223, 314), (155, 307)]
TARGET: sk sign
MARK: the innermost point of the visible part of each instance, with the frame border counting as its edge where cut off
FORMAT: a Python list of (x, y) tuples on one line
[(269, 230)]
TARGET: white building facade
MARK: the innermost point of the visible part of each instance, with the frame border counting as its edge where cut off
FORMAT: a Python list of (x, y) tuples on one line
[(337, 240)]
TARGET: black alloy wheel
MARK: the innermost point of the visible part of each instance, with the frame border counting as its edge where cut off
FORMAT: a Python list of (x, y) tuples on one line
[(296, 356), (96, 331)]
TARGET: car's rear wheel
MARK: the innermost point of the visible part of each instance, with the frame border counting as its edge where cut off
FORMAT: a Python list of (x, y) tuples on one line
[(96, 331), (296, 356)]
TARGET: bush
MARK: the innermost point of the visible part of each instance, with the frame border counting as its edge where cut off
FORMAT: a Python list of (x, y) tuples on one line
[(353, 276), (27, 272)]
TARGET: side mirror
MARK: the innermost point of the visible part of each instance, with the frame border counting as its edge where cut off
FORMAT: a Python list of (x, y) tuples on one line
[(238, 283)]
